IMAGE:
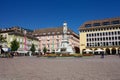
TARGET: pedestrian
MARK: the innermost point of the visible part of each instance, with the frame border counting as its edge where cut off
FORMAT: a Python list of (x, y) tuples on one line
[(102, 54), (119, 53), (12, 54)]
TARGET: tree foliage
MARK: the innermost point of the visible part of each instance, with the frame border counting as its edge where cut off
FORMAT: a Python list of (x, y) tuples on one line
[(14, 45), (32, 48), (2, 39), (44, 49)]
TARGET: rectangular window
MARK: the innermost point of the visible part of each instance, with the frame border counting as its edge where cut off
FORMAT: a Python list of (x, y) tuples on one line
[(118, 32), (53, 36), (106, 38), (87, 35), (119, 37), (18, 39), (106, 43), (103, 33), (112, 38), (57, 44), (113, 43), (109, 38), (95, 34), (116, 43), (21, 40), (87, 40), (88, 44), (48, 45), (11, 39), (20, 45)]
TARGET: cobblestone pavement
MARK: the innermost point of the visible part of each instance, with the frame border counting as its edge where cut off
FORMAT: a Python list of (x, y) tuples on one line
[(86, 68)]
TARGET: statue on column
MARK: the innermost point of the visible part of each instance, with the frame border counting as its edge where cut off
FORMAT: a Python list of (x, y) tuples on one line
[(65, 46), (65, 31)]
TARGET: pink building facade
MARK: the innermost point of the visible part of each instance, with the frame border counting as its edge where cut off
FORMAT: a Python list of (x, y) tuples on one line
[(51, 38)]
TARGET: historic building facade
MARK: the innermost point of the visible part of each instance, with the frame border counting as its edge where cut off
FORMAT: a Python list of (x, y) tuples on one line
[(23, 36), (103, 34), (51, 38)]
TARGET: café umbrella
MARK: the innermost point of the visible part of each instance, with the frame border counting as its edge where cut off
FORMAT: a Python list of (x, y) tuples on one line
[(99, 50), (5, 48), (88, 50)]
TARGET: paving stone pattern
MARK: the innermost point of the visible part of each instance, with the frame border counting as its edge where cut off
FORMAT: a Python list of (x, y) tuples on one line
[(86, 68)]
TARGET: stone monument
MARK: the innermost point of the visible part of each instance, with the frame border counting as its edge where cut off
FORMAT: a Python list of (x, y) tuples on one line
[(65, 46)]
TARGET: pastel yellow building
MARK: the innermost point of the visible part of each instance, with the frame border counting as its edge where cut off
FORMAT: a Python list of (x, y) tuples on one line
[(100, 34), (25, 40)]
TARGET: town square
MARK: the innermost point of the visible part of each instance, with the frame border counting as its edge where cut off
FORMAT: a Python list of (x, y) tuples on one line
[(59, 40)]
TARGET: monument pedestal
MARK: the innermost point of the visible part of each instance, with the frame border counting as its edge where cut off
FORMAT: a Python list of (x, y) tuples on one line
[(65, 47)]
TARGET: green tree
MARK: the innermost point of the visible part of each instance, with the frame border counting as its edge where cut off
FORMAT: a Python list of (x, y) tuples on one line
[(44, 49), (2, 40), (32, 48), (14, 45)]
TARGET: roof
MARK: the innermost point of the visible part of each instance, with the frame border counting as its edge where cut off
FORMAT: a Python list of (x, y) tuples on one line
[(100, 23), (16, 32), (51, 31), (48, 30)]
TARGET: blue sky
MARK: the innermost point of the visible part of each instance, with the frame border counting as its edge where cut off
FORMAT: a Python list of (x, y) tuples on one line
[(36, 14)]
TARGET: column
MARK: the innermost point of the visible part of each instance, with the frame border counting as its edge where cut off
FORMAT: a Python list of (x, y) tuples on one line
[(81, 51), (110, 50), (104, 50), (116, 50)]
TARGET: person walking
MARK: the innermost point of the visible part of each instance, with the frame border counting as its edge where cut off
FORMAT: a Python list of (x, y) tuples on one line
[(119, 53), (12, 54), (102, 54)]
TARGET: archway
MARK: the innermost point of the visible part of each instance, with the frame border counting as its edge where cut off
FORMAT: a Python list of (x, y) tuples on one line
[(77, 50), (119, 50), (113, 51), (107, 51), (83, 51), (96, 53)]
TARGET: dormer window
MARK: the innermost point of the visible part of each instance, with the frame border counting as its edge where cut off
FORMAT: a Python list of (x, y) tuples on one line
[(53, 32), (44, 33), (88, 25), (58, 32), (68, 32), (106, 23), (96, 24), (49, 33), (116, 22)]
